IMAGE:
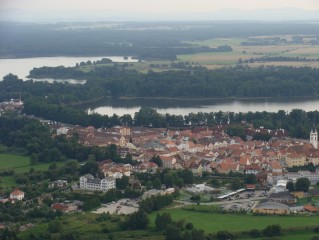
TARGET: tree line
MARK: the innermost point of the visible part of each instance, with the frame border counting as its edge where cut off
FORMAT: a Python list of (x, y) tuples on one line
[(298, 123), (239, 81), (278, 59)]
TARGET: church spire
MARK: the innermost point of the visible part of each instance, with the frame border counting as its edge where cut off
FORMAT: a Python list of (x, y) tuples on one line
[(314, 137)]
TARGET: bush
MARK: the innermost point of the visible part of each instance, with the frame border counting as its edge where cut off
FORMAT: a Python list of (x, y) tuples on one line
[(272, 231), (189, 226), (224, 235), (173, 233), (195, 198), (162, 221), (255, 233), (137, 220)]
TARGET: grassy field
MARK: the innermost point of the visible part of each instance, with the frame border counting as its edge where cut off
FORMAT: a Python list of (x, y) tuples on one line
[(215, 59), (298, 236), (213, 222), (7, 182), (20, 164), (302, 235), (85, 224)]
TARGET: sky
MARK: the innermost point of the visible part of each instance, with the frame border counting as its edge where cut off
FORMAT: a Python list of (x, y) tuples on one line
[(157, 5), (21, 10)]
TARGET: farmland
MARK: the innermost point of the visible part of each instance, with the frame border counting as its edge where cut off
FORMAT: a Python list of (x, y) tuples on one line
[(215, 60)]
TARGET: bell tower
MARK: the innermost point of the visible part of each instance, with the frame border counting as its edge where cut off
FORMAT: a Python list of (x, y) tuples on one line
[(314, 138)]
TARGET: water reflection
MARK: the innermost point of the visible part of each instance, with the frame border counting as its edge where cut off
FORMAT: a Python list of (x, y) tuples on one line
[(184, 107), (51, 80), (22, 66)]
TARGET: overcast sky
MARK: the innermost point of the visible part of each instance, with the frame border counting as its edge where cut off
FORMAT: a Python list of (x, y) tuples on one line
[(157, 5), (141, 10)]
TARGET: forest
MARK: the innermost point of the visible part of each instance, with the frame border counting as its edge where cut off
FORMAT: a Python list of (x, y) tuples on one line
[(194, 82), (163, 40)]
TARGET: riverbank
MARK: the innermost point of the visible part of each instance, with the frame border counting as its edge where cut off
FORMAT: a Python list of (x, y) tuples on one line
[(225, 98)]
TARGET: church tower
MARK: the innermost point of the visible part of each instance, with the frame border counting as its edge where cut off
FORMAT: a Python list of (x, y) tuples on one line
[(314, 138)]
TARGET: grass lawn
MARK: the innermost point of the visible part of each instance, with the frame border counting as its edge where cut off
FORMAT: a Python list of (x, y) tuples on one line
[(7, 182), (9, 161), (213, 222), (20, 164), (297, 236)]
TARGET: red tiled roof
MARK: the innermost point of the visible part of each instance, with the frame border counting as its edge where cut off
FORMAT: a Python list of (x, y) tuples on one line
[(16, 192), (310, 208)]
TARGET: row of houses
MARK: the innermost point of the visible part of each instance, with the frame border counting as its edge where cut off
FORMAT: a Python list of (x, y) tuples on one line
[(202, 149)]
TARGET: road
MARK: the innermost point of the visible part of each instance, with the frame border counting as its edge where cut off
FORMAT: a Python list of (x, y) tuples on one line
[(223, 202)]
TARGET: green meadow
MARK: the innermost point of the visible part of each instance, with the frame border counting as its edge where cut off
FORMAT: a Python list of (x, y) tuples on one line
[(213, 222), (18, 163), (86, 224)]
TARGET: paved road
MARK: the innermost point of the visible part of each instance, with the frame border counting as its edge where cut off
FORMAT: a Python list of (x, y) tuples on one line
[(223, 202)]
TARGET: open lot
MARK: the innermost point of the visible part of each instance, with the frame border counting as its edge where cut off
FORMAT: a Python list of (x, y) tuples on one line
[(123, 206)]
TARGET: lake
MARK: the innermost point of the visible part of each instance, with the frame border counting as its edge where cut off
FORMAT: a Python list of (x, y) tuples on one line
[(184, 107), (22, 66)]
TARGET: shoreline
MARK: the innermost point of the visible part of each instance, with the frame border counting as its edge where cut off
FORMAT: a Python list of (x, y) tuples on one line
[(212, 98)]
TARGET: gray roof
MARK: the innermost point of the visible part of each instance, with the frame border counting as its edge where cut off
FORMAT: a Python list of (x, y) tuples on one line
[(109, 179), (94, 180), (282, 195), (88, 176), (272, 205)]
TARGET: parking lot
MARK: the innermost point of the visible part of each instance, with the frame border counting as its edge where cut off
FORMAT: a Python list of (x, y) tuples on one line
[(249, 194), (238, 206), (123, 206), (243, 201)]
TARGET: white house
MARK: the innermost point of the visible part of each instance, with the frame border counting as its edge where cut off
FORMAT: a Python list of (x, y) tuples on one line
[(17, 195), (280, 186), (88, 182), (62, 131)]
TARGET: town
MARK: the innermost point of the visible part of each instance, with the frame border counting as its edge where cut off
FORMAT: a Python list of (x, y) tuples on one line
[(195, 168)]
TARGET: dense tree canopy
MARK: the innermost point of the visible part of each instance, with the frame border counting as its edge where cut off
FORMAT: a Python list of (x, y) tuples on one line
[(302, 184)]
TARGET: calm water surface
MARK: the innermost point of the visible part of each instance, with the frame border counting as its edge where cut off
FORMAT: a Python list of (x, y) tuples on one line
[(22, 66), (184, 107)]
